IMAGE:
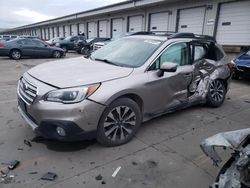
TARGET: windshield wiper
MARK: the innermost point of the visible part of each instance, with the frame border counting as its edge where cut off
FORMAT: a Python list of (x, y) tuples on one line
[(106, 61)]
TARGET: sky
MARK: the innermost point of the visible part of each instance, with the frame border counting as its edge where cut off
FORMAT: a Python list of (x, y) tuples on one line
[(14, 13)]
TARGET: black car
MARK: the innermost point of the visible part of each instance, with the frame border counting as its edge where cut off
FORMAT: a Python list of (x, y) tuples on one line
[(242, 66), (69, 42), (20, 47), (86, 46)]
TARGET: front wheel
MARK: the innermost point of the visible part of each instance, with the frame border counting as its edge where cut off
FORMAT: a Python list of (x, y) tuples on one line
[(119, 122), (57, 54), (216, 93)]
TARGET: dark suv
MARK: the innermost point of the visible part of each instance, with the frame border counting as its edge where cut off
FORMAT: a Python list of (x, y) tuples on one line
[(69, 42)]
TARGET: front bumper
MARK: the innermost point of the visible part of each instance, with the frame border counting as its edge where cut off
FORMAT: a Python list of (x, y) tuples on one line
[(47, 129)]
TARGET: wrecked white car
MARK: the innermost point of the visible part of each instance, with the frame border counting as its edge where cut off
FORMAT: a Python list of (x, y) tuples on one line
[(236, 171)]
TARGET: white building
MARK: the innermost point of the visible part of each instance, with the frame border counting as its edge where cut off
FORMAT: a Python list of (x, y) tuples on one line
[(227, 20)]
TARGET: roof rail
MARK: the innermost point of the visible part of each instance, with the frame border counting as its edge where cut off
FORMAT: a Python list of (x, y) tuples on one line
[(161, 33), (143, 33), (194, 36)]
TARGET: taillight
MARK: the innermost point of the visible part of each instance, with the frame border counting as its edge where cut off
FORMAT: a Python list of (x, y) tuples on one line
[(1, 45), (230, 66)]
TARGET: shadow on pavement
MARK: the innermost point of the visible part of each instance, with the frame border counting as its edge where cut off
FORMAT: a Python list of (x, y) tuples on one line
[(64, 146)]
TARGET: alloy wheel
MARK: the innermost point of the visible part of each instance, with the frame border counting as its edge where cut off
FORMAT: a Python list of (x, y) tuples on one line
[(119, 123), (216, 90)]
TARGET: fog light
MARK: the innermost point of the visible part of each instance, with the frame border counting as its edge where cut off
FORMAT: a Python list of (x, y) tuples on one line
[(60, 131)]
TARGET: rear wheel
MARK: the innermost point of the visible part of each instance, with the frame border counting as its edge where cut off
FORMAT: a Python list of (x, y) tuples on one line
[(15, 54), (216, 93), (57, 54), (119, 122)]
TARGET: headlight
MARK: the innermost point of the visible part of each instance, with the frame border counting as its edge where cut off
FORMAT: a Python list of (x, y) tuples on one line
[(57, 44), (71, 95)]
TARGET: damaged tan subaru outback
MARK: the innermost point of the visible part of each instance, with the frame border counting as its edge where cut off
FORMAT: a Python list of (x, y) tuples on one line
[(129, 81)]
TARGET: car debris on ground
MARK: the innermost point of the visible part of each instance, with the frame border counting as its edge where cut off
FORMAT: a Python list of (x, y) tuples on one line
[(10, 166), (26, 142), (116, 171), (236, 172), (49, 176)]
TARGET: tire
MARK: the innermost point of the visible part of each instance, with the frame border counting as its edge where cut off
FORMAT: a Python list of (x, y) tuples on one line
[(15, 54), (85, 51), (57, 54), (65, 49), (119, 122), (216, 93), (78, 51)]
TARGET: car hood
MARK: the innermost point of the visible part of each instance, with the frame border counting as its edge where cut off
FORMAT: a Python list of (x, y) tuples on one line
[(77, 72)]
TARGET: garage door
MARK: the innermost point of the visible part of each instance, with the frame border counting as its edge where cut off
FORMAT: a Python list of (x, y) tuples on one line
[(103, 28), (117, 26), (135, 23), (51, 32), (66, 30), (91, 29), (61, 31), (81, 28), (38, 33), (234, 24), (47, 33), (74, 29), (55, 31), (191, 20), (43, 34), (159, 21)]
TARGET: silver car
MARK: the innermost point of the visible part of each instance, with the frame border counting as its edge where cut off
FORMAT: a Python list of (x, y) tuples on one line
[(121, 85)]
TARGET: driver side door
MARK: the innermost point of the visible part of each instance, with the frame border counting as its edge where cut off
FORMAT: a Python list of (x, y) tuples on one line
[(169, 90)]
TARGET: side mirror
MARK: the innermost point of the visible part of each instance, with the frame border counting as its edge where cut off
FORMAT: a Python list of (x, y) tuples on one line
[(168, 67)]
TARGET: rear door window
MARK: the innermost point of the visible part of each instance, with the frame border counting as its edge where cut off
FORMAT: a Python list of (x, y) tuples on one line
[(199, 52)]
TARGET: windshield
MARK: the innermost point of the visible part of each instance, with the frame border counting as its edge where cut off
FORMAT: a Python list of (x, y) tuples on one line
[(129, 52)]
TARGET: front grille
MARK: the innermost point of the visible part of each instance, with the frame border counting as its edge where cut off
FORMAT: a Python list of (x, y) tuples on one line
[(27, 91), (98, 46)]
